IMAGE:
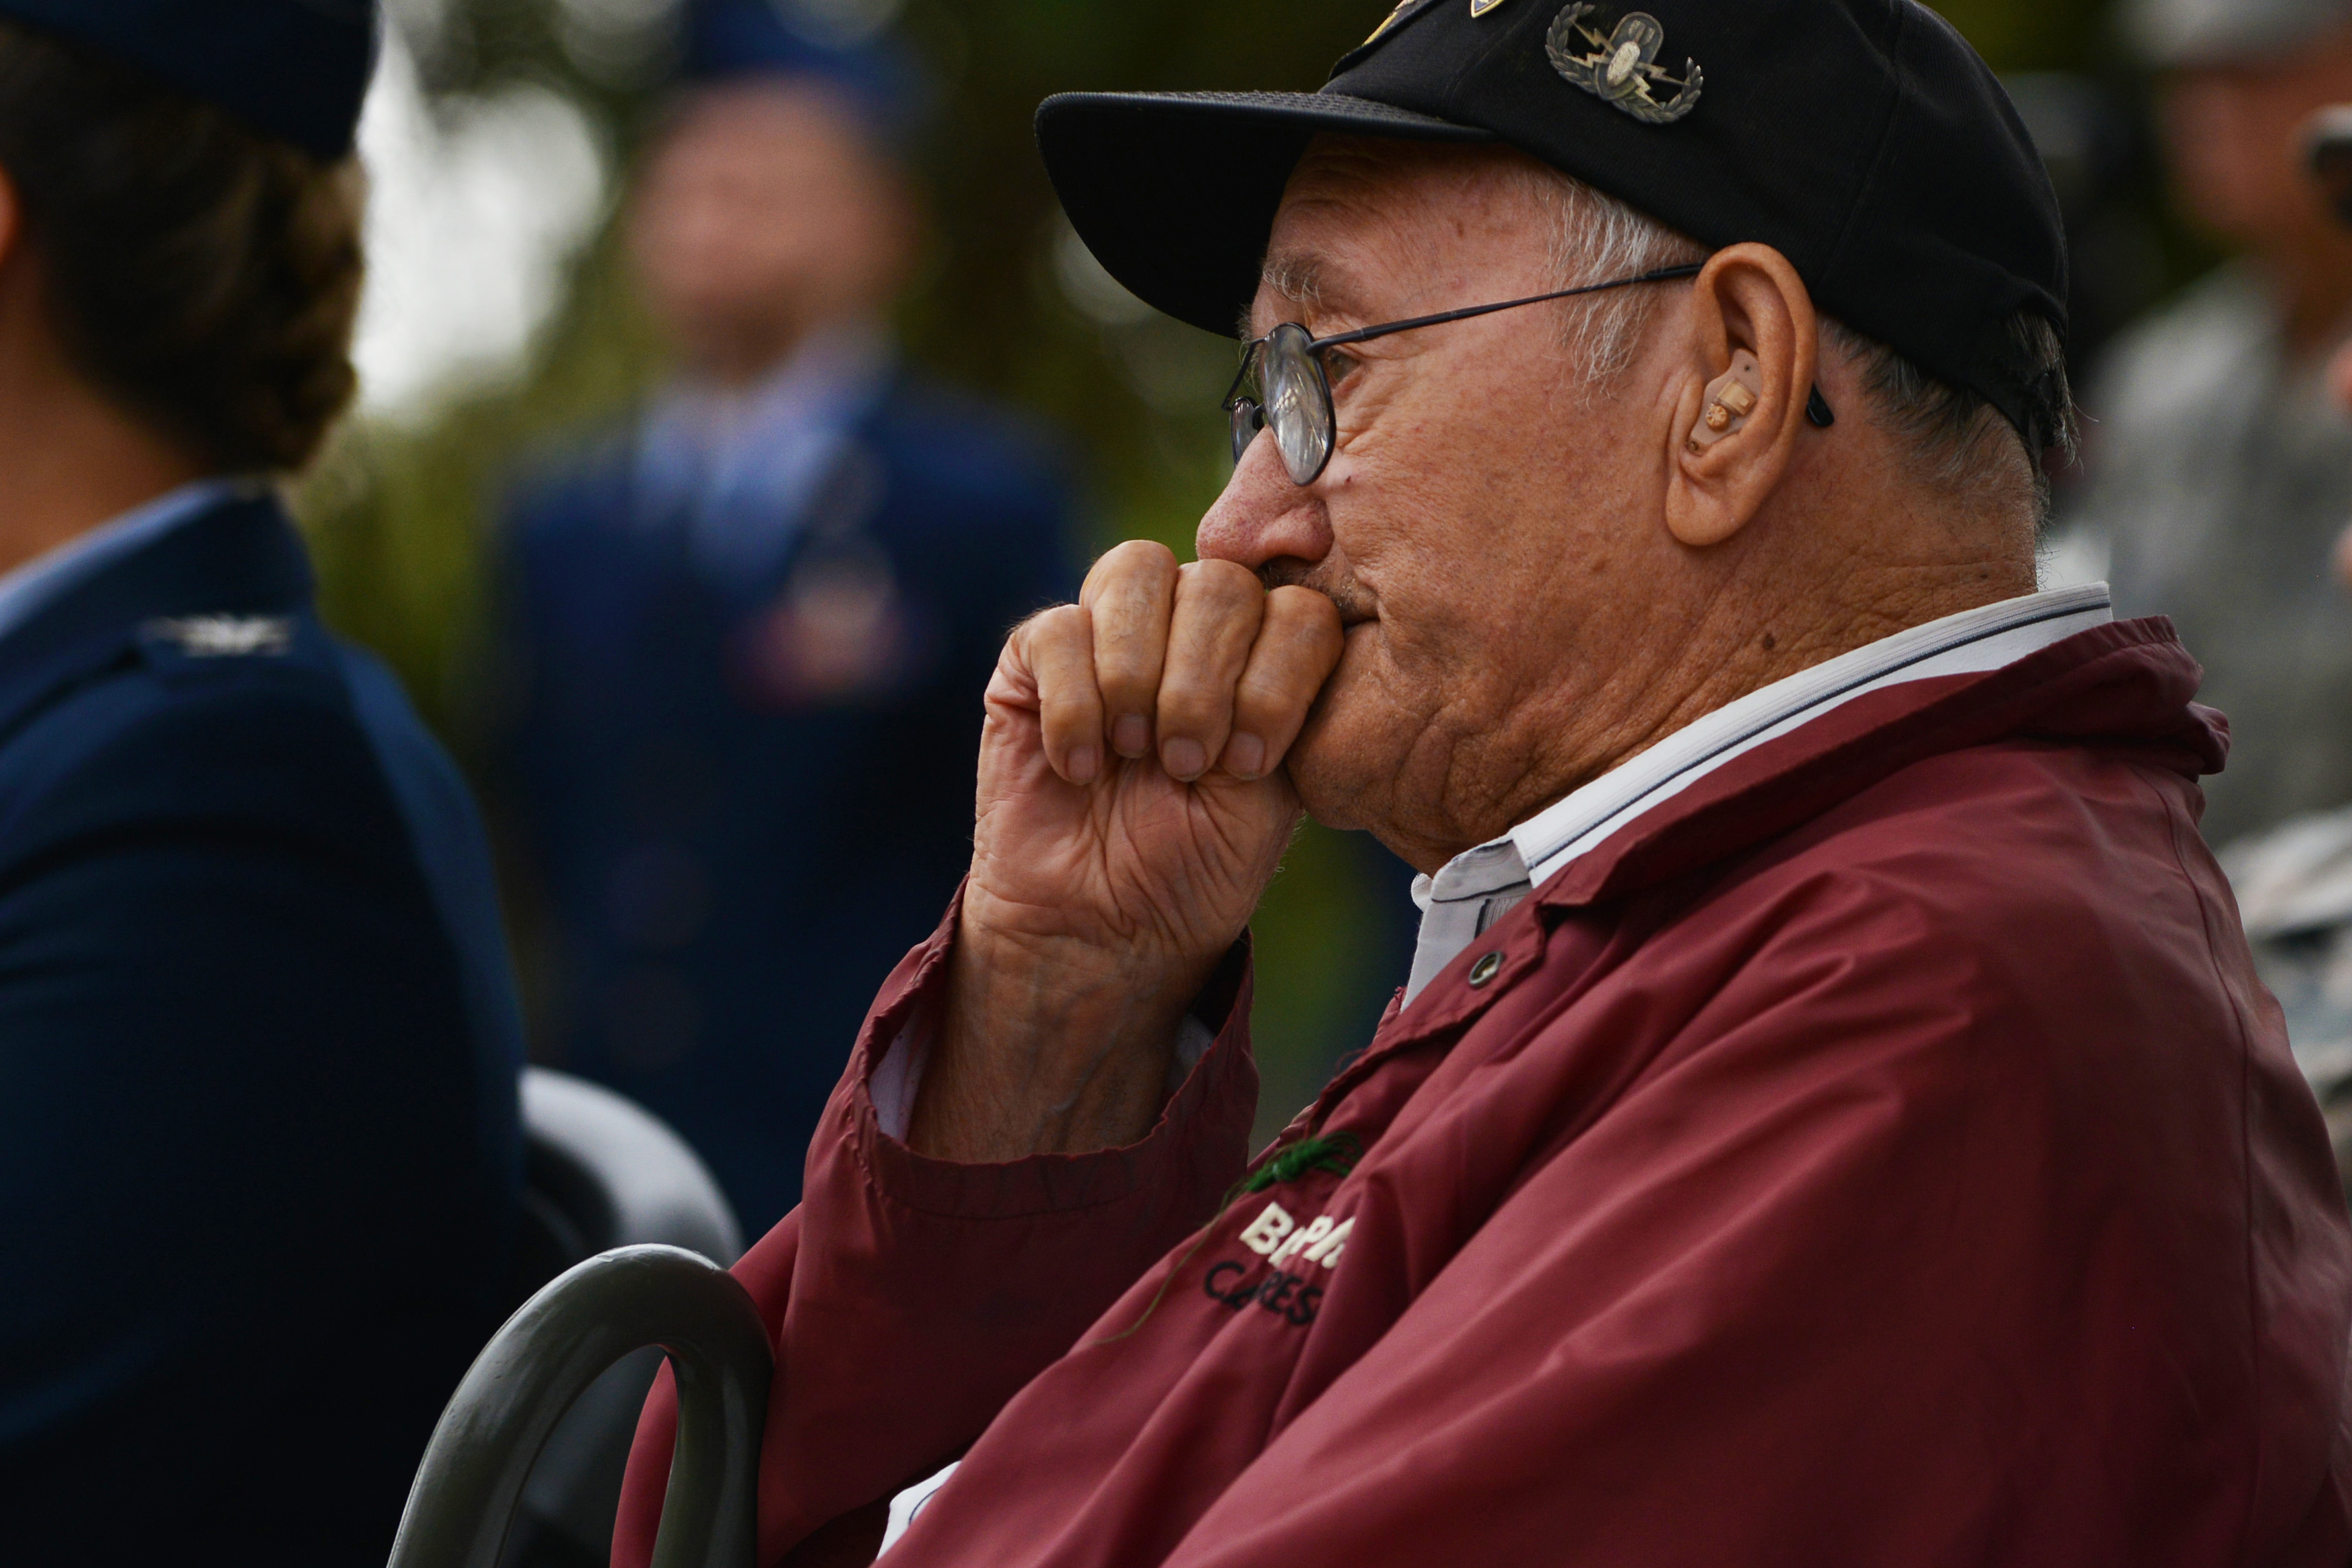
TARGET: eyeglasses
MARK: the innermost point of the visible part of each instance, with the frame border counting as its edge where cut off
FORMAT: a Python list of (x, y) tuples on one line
[(1284, 382)]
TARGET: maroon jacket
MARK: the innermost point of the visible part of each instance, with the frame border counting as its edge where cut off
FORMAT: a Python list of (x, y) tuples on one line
[(1881, 1153)]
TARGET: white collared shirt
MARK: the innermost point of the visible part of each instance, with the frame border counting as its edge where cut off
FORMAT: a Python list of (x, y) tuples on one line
[(41, 580), (1480, 886), (739, 468)]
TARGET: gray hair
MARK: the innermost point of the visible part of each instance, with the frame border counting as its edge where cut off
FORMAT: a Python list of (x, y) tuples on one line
[(1962, 443), (1959, 442), (1596, 238)]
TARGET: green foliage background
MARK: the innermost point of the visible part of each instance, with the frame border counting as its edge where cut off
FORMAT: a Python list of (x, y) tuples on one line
[(398, 516)]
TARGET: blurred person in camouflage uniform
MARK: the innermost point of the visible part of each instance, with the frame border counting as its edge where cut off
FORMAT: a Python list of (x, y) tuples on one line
[(2220, 471)]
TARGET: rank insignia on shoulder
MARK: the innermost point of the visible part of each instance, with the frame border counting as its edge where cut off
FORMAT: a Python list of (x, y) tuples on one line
[(1622, 67), (226, 636), (1480, 7)]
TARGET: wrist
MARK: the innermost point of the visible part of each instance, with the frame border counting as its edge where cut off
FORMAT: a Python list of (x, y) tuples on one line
[(1040, 973), (1049, 1043)]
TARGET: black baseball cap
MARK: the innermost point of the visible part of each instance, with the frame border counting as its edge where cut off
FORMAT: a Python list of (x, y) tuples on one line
[(295, 69), (1863, 138)]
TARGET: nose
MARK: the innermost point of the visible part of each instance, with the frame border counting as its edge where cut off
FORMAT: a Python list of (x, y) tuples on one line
[(1263, 517)]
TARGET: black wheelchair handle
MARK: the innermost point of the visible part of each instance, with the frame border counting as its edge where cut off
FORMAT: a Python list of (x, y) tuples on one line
[(563, 1339)]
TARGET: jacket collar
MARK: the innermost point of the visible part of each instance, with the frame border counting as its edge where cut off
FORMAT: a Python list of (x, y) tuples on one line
[(2130, 685), (1463, 898), (240, 558), (1990, 637)]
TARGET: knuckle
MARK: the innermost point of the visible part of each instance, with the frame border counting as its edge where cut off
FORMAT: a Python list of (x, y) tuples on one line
[(1138, 563), (1225, 581), (1260, 707), (1061, 621), (1220, 634), (1072, 703), (1125, 629), (1126, 692), (1277, 694), (1148, 554), (1066, 682), (1302, 608), (1190, 708), (1269, 687), (1123, 662)]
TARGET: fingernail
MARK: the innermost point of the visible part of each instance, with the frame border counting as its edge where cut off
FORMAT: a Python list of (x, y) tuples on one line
[(1245, 755), (1131, 736), (1187, 759), (1085, 763)]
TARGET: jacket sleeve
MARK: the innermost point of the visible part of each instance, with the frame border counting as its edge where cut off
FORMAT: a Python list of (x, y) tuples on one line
[(910, 1299), (250, 1233)]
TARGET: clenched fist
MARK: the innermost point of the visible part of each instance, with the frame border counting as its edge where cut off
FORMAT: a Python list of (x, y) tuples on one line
[(1132, 811)]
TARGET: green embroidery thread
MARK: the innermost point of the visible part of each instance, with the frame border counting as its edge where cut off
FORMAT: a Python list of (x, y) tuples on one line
[(1338, 1154)]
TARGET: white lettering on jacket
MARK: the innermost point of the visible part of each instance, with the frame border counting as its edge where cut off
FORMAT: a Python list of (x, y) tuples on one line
[(1267, 1231), (1276, 1236)]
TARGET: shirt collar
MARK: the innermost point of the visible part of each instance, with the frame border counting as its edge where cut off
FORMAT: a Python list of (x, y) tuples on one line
[(43, 580), (739, 469), (828, 381), (1478, 887), (1988, 638)]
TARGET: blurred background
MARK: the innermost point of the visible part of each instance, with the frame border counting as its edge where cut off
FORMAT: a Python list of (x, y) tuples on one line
[(502, 320)]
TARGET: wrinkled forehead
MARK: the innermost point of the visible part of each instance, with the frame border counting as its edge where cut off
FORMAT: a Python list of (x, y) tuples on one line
[(1369, 230)]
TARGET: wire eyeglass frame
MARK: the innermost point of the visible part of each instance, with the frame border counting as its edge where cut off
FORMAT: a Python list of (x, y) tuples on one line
[(1301, 351)]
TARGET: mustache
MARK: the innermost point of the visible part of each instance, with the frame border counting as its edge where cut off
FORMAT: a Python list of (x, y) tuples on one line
[(1355, 604)]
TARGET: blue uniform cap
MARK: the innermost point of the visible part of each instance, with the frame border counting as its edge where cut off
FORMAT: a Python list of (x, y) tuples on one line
[(734, 40), (297, 69)]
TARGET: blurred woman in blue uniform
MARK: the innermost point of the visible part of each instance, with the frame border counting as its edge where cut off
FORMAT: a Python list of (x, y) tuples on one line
[(258, 1153), (752, 629)]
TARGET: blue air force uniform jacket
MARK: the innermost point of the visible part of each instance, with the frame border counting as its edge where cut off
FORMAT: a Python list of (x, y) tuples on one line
[(746, 797), (260, 1155)]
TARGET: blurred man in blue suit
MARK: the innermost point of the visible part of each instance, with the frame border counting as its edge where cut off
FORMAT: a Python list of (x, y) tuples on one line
[(751, 631), (259, 1147)]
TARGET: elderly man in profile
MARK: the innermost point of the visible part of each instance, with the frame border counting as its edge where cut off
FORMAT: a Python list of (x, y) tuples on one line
[(1830, 1119)]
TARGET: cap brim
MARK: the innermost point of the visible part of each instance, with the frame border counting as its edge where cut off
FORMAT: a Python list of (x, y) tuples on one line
[(1176, 193)]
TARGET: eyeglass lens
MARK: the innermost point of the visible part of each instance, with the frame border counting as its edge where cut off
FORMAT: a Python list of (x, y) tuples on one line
[(1248, 420), (1293, 397)]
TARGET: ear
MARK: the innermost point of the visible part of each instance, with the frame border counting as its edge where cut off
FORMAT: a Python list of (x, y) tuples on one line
[(1755, 352)]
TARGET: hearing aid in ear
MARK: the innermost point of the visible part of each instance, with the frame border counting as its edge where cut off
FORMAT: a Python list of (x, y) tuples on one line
[(1730, 398)]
